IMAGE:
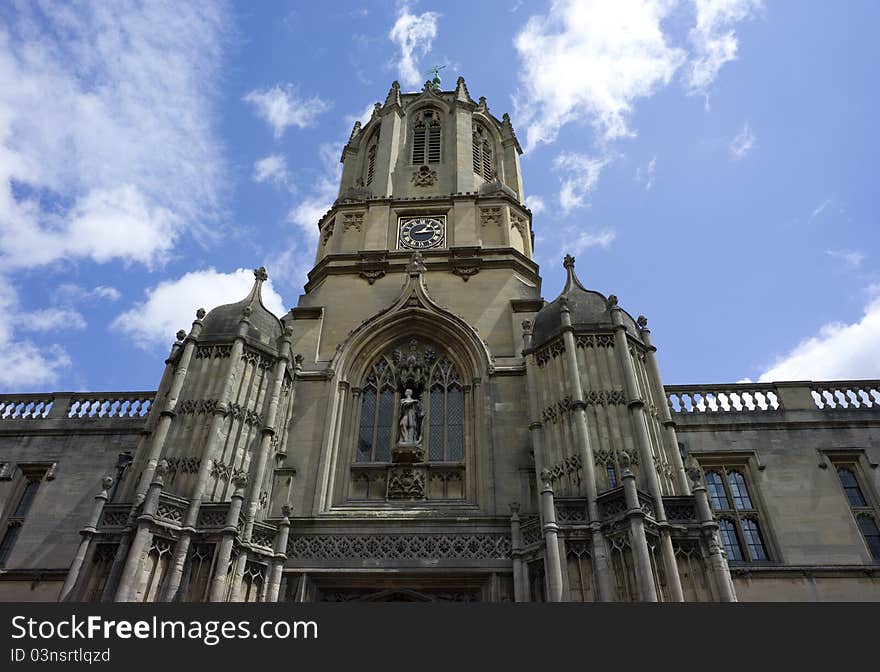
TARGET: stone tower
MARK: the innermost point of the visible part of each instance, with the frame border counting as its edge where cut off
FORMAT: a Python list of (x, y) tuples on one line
[(421, 426)]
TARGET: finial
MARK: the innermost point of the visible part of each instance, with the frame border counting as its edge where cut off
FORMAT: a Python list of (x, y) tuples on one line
[(435, 81), (568, 262), (612, 300), (482, 104), (393, 97), (514, 508), (297, 362), (180, 335), (642, 321), (106, 482), (546, 478), (260, 274), (355, 130), (286, 510), (200, 313), (161, 470), (526, 325), (240, 480)]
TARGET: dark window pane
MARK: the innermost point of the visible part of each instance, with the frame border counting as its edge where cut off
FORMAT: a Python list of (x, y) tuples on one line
[(418, 155), (27, 498), (8, 542), (368, 421), (384, 431), (434, 143), (729, 540), (868, 526), (851, 487), (612, 475), (739, 491), (717, 496), (754, 540), (454, 423), (435, 438)]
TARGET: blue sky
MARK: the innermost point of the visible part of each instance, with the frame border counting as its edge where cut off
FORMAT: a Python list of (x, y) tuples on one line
[(710, 162)]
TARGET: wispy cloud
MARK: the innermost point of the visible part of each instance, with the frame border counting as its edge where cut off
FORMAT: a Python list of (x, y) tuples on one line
[(414, 35), (282, 107), (587, 239), (580, 176), (535, 204), (713, 39), (645, 175), (743, 142), (272, 169), (820, 209), (851, 259)]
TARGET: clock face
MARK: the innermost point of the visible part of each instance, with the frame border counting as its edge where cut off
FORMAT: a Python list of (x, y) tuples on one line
[(419, 233)]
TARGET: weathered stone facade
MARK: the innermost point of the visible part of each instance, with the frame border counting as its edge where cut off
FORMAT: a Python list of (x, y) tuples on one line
[(424, 426)]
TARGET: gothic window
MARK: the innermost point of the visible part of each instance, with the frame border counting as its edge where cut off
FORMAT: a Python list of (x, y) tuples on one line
[(426, 138), (484, 165), (864, 513), (15, 520), (738, 519), (611, 473), (435, 382), (371, 159)]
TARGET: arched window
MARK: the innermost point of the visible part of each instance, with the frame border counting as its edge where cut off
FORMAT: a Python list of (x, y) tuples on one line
[(738, 518), (717, 496), (372, 150), (435, 382), (851, 487), (484, 164), (426, 138)]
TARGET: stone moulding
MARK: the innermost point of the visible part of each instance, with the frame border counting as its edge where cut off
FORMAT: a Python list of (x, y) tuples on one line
[(399, 547)]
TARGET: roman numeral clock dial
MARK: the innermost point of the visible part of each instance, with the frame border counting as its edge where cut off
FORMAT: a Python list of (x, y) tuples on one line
[(420, 233)]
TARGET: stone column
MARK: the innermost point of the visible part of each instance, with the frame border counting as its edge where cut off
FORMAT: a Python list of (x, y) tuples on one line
[(87, 533), (551, 540), (280, 555), (216, 435), (636, 517), (681, 479), (258, 471), (553, 567), (604, 584), (156, 442), (224, 549), (646, 455), (709, 528), (520, 589), (141, 542)]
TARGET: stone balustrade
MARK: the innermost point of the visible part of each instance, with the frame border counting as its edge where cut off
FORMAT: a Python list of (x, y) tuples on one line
[(75, 405), (863, 395), (752, 397)]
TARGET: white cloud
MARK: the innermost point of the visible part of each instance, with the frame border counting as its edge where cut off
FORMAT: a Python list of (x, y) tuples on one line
[(580, 176), (838, 352), (646, 175), (106, 129), (323, 192), (51, 319), (24, 365), (273, 169), (281, 107), (851, 258), (535, 204), (70, 293), (743, 142), (413, 34), (171, 305), (590, 61), (713, 39), (587, 239)]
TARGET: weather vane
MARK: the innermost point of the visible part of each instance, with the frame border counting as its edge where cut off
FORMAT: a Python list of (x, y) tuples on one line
[(435, 82)]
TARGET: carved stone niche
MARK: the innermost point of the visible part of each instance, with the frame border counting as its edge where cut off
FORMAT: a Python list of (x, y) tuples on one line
[(406, 482)]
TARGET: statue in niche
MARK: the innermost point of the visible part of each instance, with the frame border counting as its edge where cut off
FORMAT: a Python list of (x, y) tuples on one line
[(411, 414)]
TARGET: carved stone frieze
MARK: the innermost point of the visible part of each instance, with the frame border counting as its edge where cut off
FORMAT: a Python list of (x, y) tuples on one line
[(550, 351), (594, 341), (604, 397), (353, 220), (490, 216), (406, 483), (487, 546)]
